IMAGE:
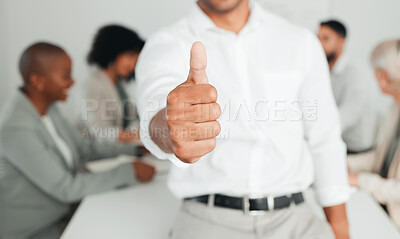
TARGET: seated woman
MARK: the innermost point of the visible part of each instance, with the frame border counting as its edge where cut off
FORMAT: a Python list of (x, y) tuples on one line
[(42, 158), (379, 172), (114, 54)]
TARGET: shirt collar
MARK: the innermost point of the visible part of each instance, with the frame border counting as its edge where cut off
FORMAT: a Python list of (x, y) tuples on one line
[(200, 22), (340, 65)]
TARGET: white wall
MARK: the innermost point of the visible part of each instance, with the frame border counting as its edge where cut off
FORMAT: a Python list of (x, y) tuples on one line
[(306, 13), (3, 80), (369, 22), (72, 24)]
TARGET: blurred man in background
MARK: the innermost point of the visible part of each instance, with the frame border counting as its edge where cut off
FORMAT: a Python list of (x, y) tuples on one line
[(379, 174), (354, 90)]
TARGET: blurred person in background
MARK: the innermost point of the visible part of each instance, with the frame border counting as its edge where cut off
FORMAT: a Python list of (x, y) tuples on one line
[(379, 172), (354, 90), (42, 158), (110, 111)]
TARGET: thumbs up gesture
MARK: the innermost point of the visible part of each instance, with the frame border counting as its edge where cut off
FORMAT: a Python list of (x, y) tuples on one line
[(192, 111)]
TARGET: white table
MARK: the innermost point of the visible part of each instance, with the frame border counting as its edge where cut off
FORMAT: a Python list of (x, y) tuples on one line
[(368, 219), (148, 211)]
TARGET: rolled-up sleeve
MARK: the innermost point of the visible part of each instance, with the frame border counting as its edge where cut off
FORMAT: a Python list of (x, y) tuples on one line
[(323, 133), (159, 70)]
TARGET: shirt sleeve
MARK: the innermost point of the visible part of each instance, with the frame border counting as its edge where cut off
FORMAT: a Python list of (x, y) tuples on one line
[(323, 132), (159, 70)]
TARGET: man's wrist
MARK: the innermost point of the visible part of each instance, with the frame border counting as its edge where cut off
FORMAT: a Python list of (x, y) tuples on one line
[(159, 132), (337, 218)]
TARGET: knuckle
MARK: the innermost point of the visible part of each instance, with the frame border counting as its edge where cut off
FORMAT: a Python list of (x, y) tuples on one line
[(212, 144), (217, 128), (171, 115), (175, 136), (171, 123), (178, 141), (180, 152), (173, 97), (217, 110), (212, 93), (175, 139)]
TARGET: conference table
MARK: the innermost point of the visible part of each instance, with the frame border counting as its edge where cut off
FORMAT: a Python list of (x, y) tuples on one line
[(147, 211)]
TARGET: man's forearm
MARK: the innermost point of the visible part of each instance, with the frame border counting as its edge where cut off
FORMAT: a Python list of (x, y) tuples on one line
[(159, 132), (337, 218)]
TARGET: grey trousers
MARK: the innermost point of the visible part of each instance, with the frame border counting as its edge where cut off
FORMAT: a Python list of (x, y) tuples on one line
[(199, 221)]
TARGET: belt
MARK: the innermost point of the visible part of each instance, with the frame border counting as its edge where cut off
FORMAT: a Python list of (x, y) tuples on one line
[(250, 205)]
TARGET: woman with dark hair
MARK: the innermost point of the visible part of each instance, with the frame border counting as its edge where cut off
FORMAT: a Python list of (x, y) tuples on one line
[(112, 111)]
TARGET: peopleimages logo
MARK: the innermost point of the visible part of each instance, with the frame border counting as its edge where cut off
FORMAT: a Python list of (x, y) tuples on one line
[(261, 111)]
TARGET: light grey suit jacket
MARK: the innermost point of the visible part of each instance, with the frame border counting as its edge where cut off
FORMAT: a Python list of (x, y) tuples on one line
[(368, 165), (104, 118), (36, 186)]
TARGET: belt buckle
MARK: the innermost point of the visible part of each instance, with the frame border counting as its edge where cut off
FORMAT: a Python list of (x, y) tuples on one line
[(246, 206)]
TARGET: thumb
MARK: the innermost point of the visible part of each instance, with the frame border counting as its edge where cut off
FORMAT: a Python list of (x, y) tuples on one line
[(198, 64)]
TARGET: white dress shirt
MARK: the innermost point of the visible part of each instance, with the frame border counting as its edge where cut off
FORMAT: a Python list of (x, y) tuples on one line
[(356, 95), (268, 145), (60, 143)]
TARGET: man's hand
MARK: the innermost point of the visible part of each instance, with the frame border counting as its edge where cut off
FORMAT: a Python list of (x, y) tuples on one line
[(144, 172), (337, 218), (190, 117), (192, 111)]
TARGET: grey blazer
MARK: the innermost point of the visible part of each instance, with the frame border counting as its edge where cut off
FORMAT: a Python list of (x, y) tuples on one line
[(105, 118), (36, 186), (368, 165)]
